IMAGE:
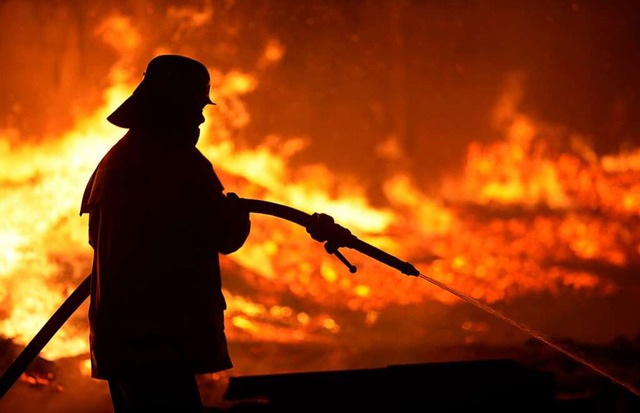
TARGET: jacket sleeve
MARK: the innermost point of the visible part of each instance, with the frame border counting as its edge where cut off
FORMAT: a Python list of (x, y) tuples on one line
[(228, 221)]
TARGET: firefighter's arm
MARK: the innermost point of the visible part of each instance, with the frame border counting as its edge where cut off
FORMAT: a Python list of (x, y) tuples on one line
[(235, 224)]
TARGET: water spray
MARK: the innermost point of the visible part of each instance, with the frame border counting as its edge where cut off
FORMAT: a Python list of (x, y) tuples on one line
[(488, 309)]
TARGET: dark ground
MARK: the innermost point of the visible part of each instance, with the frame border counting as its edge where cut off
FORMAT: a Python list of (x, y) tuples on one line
[(60, 387)]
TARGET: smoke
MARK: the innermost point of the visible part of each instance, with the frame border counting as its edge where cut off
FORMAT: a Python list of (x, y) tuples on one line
[(355, 74)]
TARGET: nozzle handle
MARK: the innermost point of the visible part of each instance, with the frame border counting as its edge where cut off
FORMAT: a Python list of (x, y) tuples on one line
[(332, 248)]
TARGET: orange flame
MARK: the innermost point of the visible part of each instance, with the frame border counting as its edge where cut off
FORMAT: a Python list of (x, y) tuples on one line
[(503, 227)]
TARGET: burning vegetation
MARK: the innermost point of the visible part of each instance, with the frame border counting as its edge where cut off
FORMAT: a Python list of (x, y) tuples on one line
[(534, 213)]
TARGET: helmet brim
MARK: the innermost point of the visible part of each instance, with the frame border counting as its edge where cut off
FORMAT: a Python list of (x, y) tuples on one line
[(130, 111)]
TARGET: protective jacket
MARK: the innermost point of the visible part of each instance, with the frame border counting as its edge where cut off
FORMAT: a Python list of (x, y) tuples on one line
[(158, 218)]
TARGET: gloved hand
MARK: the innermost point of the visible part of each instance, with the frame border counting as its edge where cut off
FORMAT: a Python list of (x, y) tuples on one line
[(322, 228), (234, 209), (233, 201)]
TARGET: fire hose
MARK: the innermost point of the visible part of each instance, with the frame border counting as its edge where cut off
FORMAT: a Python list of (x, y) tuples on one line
[(321, 227)]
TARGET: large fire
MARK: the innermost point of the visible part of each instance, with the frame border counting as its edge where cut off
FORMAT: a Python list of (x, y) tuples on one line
[(513, 222)]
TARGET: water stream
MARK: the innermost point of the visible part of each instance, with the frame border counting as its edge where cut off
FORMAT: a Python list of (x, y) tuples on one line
[(533, 333)]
